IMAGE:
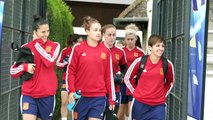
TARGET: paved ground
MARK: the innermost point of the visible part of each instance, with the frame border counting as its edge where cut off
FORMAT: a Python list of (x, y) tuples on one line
[(208, 107)]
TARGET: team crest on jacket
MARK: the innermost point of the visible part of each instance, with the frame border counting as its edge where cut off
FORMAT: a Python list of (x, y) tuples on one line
[(48, 48), (103, 55), (161, 71), (136, 54), (117, 57)]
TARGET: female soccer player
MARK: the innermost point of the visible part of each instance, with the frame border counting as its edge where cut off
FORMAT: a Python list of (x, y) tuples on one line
[(90, 70), (118, 61), (62, 63), (132, 52), (38, 93), (153, 86)]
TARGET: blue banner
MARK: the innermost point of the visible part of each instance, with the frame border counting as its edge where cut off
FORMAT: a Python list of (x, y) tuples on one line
[(196, 58)]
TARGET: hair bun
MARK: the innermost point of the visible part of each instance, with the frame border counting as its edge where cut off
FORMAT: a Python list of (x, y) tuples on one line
[(87, 21), (131, 26), (36, 17), (131, 29)]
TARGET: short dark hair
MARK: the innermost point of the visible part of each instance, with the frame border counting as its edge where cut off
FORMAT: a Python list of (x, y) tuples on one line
[(153, 39)]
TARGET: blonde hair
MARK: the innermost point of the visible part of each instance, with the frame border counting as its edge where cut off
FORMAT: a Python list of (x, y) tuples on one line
[(131, 29), (87, 21)]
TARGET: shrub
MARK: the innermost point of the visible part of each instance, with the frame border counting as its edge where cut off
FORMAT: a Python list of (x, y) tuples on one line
[(60, 19)]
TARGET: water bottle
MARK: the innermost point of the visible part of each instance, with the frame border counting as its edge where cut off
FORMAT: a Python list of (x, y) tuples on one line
[(77, 95), (66, 59)]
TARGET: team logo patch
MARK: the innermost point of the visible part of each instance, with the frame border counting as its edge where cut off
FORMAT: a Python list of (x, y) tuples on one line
[(117, 57), (75, 115), (103, 55), (161, 71), (26, 106), (48, 48), (136, 54)]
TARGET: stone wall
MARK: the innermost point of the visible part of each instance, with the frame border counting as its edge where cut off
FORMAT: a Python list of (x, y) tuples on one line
[(139, 11), (136, 9)]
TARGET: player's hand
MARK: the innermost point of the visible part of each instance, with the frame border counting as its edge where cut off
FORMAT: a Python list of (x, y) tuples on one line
[(71, 97), (35, 36), (112, 107), (65, 63), (31, 68)]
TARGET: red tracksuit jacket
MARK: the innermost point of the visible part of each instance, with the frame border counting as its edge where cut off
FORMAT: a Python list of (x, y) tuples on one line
[(62, 65), (118, 59), (44, 81), (151, 88), (90, 70), (131, 56)]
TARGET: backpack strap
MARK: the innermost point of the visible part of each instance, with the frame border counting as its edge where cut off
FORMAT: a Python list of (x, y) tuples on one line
[(165, 66), (141, 67), (143, 63)]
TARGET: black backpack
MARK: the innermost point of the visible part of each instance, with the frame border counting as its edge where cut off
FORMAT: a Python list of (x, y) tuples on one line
[(143, 63)]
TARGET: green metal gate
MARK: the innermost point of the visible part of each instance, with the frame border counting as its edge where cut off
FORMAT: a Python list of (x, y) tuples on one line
[(171, 20)]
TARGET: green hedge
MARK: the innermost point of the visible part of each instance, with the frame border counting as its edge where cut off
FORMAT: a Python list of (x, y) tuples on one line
[(60, 19)]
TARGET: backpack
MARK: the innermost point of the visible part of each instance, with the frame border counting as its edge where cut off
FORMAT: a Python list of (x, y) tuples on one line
[(143, 63)]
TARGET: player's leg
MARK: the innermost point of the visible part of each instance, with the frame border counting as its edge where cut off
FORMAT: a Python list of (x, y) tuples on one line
[(123, 105), (64, 101), (129, 97)]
